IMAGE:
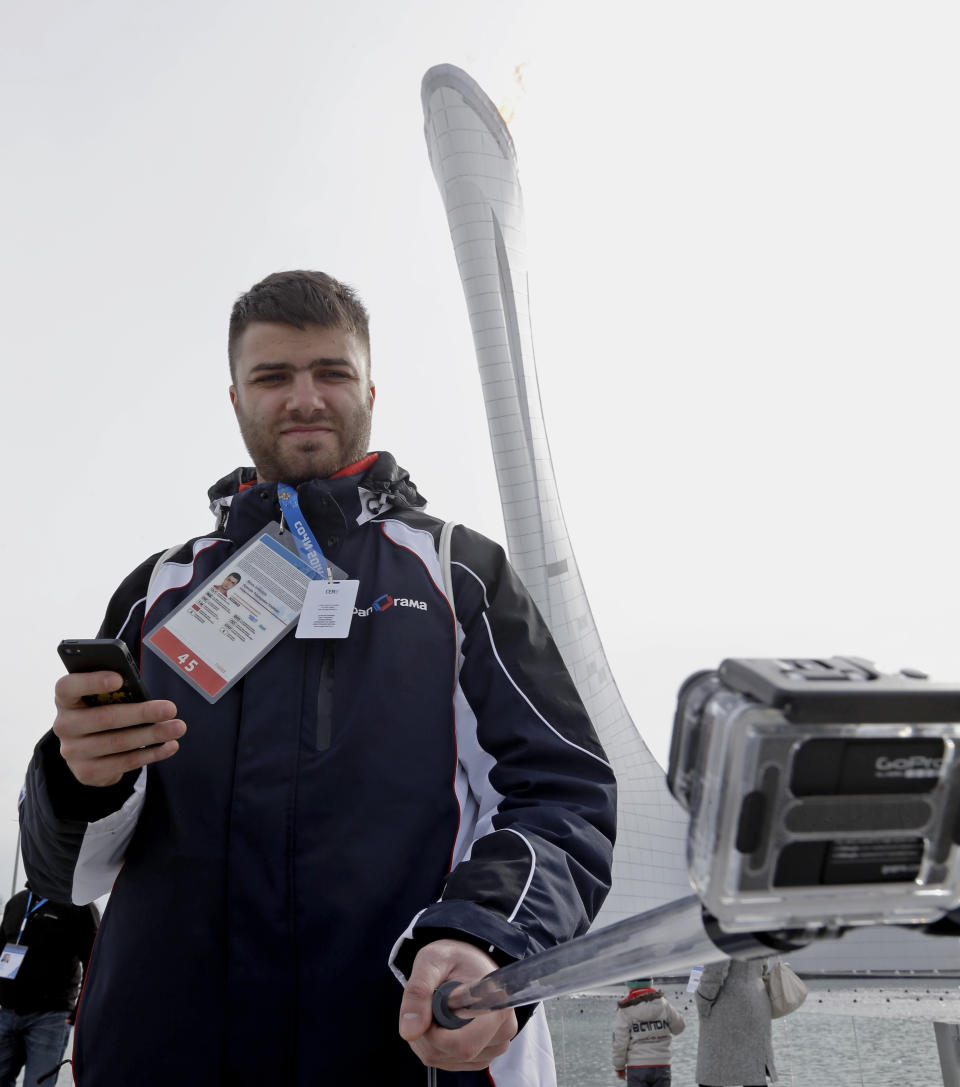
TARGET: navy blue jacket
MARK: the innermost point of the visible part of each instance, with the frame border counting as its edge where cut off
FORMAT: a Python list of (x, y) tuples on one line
[(345, 803)]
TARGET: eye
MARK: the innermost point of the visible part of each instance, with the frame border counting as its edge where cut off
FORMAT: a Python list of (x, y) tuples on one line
[(268, 379)]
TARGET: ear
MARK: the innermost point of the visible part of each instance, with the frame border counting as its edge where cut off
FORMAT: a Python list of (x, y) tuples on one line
[(373, 394), (233, 398)]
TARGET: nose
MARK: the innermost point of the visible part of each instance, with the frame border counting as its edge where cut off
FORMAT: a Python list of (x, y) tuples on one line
[(304, 395)]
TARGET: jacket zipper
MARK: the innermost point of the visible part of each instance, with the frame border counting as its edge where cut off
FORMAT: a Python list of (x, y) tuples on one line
[(325, 699)]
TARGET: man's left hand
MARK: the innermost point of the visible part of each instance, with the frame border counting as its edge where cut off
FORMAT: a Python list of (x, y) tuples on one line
[(471, 1048)]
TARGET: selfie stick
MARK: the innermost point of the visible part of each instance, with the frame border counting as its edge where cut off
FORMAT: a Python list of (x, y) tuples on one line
[(660, 941)]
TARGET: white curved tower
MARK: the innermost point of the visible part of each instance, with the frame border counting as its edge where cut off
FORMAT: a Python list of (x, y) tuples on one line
[(475, 166)]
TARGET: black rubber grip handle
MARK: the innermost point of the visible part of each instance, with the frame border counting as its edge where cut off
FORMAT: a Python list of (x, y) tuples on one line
[(442, 1015)]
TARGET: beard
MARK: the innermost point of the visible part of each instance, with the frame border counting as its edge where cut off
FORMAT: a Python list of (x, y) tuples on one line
[(295, 459)]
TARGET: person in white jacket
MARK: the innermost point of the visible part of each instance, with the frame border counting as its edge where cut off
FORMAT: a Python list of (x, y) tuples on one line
[(642, 1032)]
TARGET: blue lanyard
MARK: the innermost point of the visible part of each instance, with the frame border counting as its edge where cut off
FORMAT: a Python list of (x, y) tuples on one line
[(27, 912), (306, 544)]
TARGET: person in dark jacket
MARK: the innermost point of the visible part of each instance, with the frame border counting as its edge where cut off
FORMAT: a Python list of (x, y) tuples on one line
[(415, 795), (47, 947)]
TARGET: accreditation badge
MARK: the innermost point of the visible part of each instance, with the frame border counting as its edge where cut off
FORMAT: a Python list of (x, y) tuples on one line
[(11, 959), (237, 616)]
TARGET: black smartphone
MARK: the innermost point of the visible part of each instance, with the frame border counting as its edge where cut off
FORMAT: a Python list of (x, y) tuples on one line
[(104, 655)]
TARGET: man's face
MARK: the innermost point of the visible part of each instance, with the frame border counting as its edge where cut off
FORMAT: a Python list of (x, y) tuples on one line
[(302, 398)]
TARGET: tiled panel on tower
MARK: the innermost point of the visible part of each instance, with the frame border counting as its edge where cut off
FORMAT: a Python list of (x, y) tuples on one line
[(474, 163)]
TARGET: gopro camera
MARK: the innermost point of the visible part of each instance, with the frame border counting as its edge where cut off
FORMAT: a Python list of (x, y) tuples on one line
[(822, 794)]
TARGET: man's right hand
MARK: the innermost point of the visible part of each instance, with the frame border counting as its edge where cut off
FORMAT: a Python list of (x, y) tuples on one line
[(101, 743)]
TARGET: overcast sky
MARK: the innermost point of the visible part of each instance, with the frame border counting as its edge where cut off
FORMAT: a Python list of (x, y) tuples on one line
[(744, 237)]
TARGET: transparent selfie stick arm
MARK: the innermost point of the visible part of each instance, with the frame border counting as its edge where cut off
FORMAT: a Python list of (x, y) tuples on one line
[(660, 941)]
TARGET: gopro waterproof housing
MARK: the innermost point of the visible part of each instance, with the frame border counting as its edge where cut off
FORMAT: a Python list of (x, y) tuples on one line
[(822, 794)]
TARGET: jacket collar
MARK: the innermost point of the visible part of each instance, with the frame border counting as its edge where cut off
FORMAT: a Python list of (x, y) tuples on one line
[(639, 996), (379, 484)]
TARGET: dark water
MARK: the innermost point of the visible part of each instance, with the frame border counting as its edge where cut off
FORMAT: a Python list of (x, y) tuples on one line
[(811, 1050)]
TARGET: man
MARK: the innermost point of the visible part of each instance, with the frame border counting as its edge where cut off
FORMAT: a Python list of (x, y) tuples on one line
[(421, 792), (47, 946), (231, 581)]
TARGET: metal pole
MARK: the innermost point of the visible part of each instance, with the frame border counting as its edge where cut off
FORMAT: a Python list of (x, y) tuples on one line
[(948, 1045), (16, 865)]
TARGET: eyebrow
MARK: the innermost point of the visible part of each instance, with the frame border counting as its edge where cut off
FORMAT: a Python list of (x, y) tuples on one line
[(312, 365)]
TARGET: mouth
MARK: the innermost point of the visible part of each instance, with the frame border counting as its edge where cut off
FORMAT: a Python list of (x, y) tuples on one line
[(308, 429)]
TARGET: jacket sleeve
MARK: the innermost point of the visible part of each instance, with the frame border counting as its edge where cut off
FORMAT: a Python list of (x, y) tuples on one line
[(675, 1020), (74, 836), (711, 982), (12, 916), (621, 1037), (535, 868)]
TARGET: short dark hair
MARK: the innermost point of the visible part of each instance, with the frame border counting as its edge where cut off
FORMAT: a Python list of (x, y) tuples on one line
[(299, 298)]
